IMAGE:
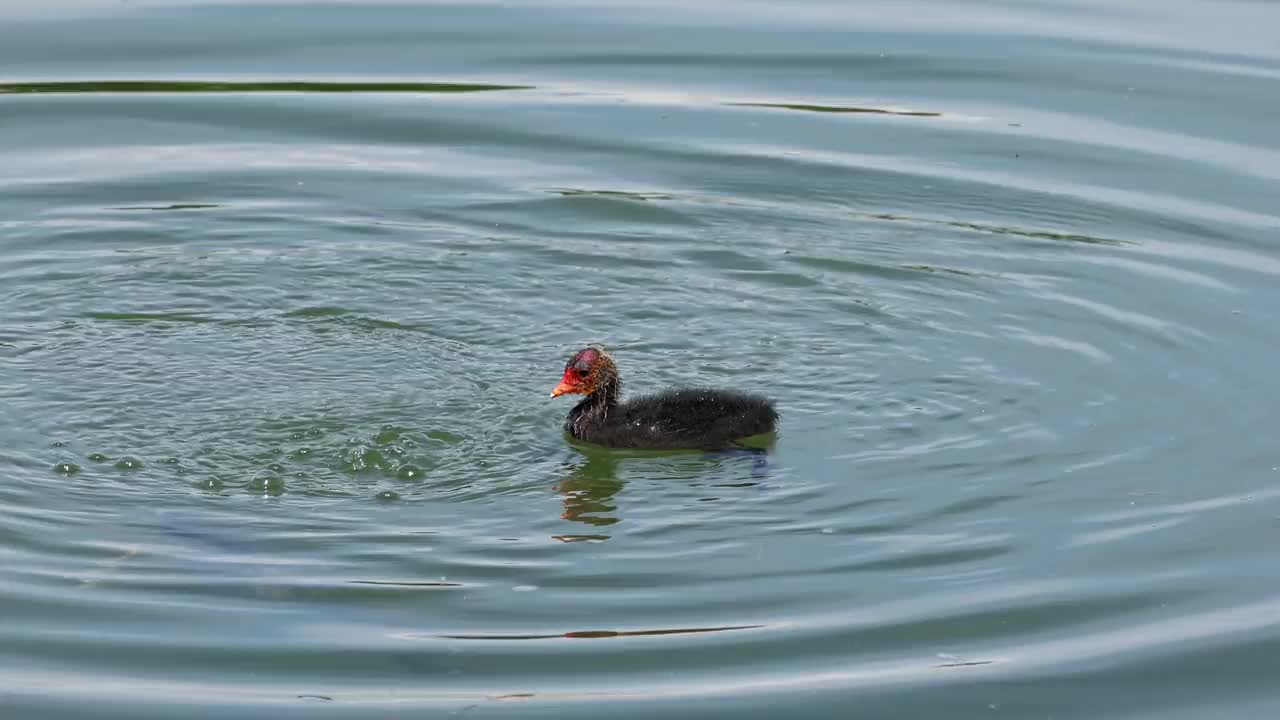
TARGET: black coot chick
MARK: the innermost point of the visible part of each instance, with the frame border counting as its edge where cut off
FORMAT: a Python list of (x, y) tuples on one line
[(681, 418)]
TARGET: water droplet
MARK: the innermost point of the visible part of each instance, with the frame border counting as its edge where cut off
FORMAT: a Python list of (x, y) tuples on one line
[(388, 496), (99, 457), (171, 461), (66, 468), (362, 457), (212, 482), (128, 463), (276, 468), (409, 472), (302, 453)]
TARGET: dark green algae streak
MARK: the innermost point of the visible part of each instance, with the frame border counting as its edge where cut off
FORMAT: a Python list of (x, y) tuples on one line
[(160, 86)]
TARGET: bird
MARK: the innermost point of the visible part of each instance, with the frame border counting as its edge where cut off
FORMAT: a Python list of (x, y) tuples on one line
[(679, 418)]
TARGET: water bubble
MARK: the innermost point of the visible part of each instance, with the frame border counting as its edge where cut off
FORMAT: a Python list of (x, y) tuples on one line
[(409, 472), (128, 463), (267, 483), (57, 443), (213, 482), (388, 435), (388, 496), (171, 461), (302, 453), (276, 468), (99, 457), (66, 468)]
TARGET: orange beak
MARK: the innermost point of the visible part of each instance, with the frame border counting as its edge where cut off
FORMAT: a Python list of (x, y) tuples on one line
[(569, 384)]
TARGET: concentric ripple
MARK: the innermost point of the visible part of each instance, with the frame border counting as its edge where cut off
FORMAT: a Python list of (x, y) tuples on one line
[(283, 290)]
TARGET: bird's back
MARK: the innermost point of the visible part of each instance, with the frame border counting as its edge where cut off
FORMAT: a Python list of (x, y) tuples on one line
[(687, 417)]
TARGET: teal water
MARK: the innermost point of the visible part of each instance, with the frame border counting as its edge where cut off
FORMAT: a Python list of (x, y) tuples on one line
[(284, 288)]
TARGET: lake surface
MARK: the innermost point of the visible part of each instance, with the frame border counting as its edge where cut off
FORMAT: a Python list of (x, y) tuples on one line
[(284, 289)]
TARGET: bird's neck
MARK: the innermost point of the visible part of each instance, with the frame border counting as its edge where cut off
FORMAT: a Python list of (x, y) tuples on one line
[(595, 407)]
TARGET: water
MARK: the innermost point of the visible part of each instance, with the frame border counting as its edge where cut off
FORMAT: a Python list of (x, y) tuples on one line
[(284, 288)]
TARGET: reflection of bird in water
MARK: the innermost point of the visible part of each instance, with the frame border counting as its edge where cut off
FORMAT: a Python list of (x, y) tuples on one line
[(591, 483), (588, 489), (759, 460)]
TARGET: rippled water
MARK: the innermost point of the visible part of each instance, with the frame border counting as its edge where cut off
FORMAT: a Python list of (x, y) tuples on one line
[(284, 288)]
